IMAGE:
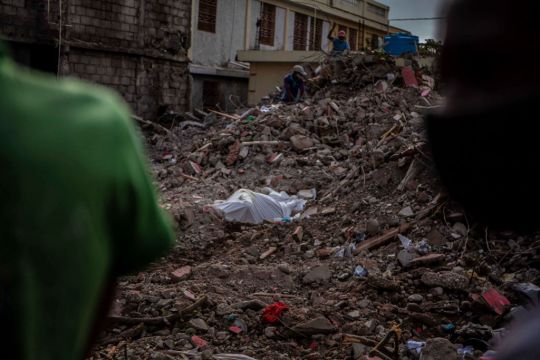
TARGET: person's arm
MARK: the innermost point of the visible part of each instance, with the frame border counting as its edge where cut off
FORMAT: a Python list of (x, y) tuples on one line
[(329, 36), (140, 230)]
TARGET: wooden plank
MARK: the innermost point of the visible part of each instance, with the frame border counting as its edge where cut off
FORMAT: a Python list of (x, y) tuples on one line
[(228, 116), (381, 240)]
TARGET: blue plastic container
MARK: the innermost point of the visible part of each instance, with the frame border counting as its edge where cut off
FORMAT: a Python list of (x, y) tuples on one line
[(399, 44)]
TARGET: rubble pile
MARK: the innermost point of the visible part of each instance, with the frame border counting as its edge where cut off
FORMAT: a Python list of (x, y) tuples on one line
[(379, 263)]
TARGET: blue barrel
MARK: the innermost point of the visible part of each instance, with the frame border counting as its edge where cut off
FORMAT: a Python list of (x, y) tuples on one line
[(399, 44)]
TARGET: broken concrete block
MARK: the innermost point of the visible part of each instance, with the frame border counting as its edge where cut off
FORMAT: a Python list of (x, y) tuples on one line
[(301, 142), (198, 324), (406, 212), (182, 273), (318, 274), (320, 325), (446, 279)]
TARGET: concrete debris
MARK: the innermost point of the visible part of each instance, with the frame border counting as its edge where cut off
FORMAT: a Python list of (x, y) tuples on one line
[(318, 274), (320, 325), (439, 349), (445, 279), (354, 149)]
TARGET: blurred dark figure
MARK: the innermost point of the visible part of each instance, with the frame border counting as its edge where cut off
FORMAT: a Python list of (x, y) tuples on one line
[(485, 142), (78, 209)]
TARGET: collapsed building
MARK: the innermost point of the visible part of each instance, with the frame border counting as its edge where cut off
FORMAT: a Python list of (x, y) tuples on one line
[(137, 47)]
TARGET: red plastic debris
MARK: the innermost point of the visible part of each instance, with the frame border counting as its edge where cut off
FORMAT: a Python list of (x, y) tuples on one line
[(409, 77), (498, 302), (272, 313), (314, 346), (198, 341), (235, 329)]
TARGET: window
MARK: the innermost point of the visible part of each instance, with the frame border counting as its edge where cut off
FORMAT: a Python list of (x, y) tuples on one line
[(268, 24), (353, 39), (352, 2), (377, 10), (207, 15), (315, 38), (300, 31)]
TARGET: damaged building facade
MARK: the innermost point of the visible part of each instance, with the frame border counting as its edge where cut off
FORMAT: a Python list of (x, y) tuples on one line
[(137, 47), (242, 49)]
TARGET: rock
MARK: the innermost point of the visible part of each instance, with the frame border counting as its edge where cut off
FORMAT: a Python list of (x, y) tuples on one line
[(370, 326), (383, 283), (343, 276), (405, 257), (253, 251), (414, 308), (182, 273), (198, 324), (446, 279), (438, 291), (355, 314), (306, 194), (224, 309), (320, 325), (222, 335), (301, 142), (358, 351), (460, 228), (372, 226), (207, 355), (435, 238), (439, 349), (284, 268), (406, 212), (250, 304), (365, 303), (423, 318), (415, 298), (318, 274), (310, 254), (270, 332), (428, 260)]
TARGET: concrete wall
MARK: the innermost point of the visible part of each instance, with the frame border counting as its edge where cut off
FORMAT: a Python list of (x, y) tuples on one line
[(137, 47), (264, 79), (290, 31), (325, 29), (219, 48)]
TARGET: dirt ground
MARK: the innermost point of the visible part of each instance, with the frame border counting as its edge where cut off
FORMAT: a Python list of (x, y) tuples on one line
[(360, 144)]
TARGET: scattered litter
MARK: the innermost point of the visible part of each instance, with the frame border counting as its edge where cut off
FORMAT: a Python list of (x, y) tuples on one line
[(416, 346), (198, 341), (465, 351), (498, 302), (405, 242), (360, 272), (272, 313)]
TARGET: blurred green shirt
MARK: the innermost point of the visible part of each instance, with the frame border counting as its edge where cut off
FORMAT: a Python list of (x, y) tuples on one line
[(77, 209)]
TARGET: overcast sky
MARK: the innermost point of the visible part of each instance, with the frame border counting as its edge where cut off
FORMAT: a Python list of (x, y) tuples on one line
[(415, 9)]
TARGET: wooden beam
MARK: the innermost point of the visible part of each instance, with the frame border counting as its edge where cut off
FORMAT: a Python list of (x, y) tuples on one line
[(381, 240)]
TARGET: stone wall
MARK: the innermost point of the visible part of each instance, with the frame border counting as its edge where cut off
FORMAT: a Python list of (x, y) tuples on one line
[(138, 47)]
